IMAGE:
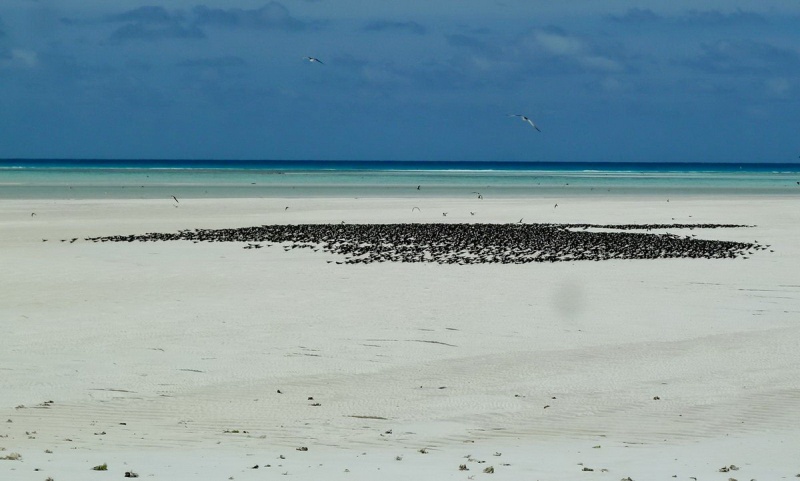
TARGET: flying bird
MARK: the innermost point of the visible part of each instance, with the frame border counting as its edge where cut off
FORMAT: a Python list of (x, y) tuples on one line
[(314, 59), (176, 199), (526, 119)]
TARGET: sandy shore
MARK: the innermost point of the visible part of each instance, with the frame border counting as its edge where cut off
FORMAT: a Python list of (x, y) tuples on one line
[(200, 361)]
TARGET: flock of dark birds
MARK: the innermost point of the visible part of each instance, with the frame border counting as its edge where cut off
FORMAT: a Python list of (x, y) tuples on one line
[(477, 243)]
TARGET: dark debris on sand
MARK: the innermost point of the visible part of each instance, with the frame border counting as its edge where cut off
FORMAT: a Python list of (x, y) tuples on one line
[(471, 243)]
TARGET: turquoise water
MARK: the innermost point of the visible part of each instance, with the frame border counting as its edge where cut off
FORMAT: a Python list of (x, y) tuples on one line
[(75, 179)]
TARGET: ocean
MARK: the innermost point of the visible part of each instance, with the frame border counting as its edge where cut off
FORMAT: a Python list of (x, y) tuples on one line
[(125, 179)]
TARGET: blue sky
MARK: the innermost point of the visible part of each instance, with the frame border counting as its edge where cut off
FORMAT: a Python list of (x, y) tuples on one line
[(608, 80)]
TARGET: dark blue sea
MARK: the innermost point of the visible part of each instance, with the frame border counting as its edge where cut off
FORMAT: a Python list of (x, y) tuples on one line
[(144, 178)]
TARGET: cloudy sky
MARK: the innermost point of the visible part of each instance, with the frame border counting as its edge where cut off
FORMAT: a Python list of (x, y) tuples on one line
[(613, 80)]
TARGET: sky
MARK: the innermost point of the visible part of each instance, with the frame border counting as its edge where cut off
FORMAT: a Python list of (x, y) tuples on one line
[(614, 80)]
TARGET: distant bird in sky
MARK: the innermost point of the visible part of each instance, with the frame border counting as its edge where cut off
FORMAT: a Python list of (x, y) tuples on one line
[(314, 59), (480, 196), (412, 209), (526, 119), (176, 199)]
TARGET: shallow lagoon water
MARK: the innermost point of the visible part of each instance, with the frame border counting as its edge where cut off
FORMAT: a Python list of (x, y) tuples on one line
[(133, 179)]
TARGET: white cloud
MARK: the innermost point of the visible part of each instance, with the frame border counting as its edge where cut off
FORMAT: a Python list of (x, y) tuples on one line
[(597, 62), (557, 44), (381, 74), (20, 59), (554, 44), (778, 86)]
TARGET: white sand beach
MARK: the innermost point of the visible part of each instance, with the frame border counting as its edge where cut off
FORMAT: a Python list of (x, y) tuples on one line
[(179, 361)]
